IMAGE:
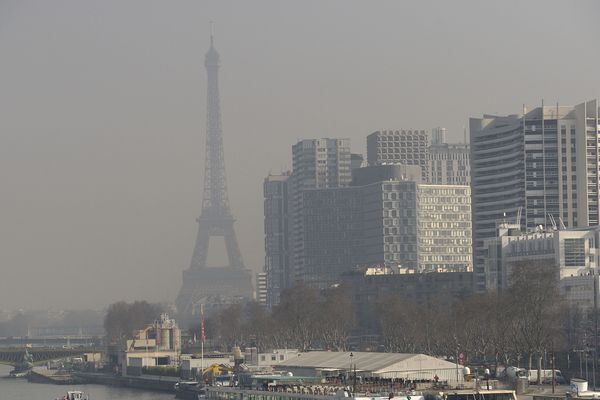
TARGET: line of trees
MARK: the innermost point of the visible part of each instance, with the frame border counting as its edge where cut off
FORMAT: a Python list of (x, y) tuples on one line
[(122, 318), (304, 319), (514, 327)]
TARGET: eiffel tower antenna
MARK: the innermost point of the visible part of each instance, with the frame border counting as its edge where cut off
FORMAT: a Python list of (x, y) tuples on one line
[(215, 218)]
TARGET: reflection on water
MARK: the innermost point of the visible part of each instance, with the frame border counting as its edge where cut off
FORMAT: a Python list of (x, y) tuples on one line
[(20, 389)]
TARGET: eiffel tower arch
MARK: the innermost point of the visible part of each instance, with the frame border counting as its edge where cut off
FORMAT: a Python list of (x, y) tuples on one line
[(203, 284)]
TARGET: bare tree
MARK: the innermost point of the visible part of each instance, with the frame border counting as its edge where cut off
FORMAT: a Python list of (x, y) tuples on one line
[(537, 306), (335, 319)]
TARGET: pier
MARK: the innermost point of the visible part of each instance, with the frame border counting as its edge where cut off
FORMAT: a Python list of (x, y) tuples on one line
[(14, 355)]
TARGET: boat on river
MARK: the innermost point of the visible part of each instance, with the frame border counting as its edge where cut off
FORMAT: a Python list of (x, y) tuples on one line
[(190, 390), (74, 395), (23, 369), (296, 393)]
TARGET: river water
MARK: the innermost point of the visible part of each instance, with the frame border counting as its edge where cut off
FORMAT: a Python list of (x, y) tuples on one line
[(20, 389)]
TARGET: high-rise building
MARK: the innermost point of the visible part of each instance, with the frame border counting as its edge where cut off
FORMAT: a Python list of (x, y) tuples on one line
[(534, 168), (321, 163), (423, 228), (316, 164), (444, 229), (409, 147), (277, 258)]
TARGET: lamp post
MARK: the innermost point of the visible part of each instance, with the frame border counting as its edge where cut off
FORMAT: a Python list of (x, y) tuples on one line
[(350, 369)]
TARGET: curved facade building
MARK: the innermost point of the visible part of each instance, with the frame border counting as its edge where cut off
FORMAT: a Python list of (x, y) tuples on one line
[(537, 168)]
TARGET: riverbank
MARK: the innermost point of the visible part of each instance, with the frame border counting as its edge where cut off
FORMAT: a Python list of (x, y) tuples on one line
[(147, 382), (55, 377), (15, 389)]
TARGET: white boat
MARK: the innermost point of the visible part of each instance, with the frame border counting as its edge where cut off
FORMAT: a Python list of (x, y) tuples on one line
[(74, 395)]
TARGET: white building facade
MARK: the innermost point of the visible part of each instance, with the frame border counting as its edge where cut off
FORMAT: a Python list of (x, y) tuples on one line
[(542, 164)]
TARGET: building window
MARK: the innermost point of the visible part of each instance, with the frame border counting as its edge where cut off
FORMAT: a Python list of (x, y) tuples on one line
[(574, 252)]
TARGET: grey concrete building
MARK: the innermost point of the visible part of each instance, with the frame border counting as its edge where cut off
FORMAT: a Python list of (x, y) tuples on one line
[(317, 164), (409, 147), (331, 221), (321, 163), (423, 228), (448, 164), (542, 164)]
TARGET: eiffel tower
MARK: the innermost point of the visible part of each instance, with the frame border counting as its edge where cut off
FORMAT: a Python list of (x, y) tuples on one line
[(203, 284)]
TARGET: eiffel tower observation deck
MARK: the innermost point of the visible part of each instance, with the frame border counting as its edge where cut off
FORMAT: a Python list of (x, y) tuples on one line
[(213, 286)]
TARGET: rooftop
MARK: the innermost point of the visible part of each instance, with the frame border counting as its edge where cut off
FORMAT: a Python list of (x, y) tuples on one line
[(364, 361)]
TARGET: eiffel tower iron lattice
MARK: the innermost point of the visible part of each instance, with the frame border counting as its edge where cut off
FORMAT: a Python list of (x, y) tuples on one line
[(200, 282)]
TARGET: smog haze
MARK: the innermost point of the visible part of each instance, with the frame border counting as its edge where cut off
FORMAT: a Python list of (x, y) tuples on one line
[(103, 115)]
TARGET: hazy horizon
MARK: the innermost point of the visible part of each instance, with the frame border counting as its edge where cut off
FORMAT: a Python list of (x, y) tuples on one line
[(102, 115)]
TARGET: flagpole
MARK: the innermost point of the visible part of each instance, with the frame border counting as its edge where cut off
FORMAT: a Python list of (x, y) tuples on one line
[(202, 344)]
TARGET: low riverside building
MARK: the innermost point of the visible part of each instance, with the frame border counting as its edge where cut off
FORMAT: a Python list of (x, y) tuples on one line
[(193, 367), (369, 284), (372, 285), (253, 357), (157, 345), (413, 367), (573, 252)]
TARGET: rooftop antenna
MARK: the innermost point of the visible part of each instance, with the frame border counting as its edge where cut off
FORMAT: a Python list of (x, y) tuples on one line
[(465, 134), (212, 33), (562, 224), (552, 221)]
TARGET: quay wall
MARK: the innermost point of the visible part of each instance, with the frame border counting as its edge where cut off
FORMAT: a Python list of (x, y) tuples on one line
[(155, 383)]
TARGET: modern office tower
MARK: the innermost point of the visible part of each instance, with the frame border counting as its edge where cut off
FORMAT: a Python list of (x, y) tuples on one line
[(276, 236), (261, 288), (448, 164), (438, 136), (423, 228), (534, 168), (409, 147), (317, 164)]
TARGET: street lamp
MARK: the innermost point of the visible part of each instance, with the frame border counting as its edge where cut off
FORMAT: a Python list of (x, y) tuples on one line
[(354, 380)]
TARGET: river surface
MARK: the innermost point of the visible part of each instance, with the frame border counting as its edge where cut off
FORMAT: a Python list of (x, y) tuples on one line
[(20, 389)]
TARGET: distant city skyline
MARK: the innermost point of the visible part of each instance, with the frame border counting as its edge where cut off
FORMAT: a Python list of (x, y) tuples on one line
[(102, 115)]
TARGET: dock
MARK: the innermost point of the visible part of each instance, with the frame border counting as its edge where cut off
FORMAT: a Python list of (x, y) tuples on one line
[(56, 377)]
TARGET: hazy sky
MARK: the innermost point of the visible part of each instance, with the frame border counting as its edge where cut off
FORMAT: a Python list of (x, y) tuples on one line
[(102, 114)]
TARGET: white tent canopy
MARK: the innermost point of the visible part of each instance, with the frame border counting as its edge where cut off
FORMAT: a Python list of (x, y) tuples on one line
[(385, 365)]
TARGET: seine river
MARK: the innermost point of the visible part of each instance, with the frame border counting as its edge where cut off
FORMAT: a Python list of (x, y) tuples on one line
[(20, 389)]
